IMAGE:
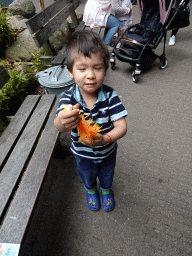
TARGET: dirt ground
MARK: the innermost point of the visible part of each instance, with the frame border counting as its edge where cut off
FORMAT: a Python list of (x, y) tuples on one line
[(39, 90)]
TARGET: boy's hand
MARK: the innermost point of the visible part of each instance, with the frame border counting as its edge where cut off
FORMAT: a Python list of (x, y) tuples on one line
[(97, 141), (130, 11), (68, 120)]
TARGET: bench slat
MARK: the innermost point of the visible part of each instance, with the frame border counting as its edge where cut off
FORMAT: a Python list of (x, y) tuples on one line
[(39, 20), (15, 165), (60, 58), (81, 26), (19, 213), (14, 129)]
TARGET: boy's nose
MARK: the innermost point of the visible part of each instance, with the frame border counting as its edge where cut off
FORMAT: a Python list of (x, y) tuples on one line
[(91, 74)]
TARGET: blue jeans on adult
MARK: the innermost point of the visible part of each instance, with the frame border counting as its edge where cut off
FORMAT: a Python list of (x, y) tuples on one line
[(110, 29), (89, 171)]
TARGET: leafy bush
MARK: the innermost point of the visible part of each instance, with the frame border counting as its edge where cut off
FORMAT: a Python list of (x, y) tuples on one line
[(20, 83), (37, 63), (15, 90), (7, 34)]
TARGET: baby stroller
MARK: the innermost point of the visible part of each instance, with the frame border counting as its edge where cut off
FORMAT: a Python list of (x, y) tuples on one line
[(138, 42)]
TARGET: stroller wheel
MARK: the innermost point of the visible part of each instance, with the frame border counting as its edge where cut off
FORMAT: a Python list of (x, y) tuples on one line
[(112, 61), (135, 77), (163, 63)]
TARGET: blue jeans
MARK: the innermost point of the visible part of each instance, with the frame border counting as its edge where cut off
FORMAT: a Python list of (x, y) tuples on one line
[(110, 29), (89, 171)]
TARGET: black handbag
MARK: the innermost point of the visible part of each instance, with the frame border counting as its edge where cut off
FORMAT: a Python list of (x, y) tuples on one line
[(181, 20)]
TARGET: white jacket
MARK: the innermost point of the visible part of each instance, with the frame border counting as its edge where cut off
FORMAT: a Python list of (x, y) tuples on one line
[(96, 12)]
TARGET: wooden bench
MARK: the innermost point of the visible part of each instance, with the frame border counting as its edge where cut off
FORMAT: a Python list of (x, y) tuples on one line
[(26, 147), (27, 144), (46, 22), (60, 58), (43, 25)]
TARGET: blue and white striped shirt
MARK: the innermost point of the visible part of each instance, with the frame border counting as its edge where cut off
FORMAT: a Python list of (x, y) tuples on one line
[(107, 109)]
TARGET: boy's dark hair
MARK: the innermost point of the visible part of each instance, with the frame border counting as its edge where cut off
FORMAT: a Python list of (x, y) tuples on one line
[(86, 42)]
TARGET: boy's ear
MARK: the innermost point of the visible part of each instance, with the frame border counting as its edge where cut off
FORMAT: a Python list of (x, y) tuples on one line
[(71, 75)]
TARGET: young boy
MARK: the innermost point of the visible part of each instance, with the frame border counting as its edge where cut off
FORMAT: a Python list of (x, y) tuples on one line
[(87, 62)]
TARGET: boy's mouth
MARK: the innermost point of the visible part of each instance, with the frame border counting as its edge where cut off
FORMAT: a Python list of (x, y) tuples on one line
[(91, 84)]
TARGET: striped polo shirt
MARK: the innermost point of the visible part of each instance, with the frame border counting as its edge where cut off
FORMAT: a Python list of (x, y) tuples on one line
[(107, 109)]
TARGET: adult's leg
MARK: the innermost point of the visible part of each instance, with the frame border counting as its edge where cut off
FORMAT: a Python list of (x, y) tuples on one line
[(173, 36), (174, 32), (111, 29)]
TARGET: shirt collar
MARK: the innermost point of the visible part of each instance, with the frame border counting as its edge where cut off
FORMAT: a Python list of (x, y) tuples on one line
[(77, 95)]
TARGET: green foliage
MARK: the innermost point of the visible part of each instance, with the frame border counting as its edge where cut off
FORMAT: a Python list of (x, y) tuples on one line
[(15, 90), (7, 34), (20, 84), (37, 63), (7, 65)]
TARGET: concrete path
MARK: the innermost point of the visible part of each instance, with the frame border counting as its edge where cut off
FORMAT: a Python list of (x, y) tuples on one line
[(153, 178)]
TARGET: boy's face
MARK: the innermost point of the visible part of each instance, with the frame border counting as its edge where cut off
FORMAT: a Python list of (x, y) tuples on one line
[(88, 73)]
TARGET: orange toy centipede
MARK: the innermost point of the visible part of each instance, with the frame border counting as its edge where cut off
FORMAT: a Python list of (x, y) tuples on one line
[(86, 128)]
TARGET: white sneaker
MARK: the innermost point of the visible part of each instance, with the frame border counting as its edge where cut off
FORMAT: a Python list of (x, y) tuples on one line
[(115, 36), (172, 40), (118, 45)]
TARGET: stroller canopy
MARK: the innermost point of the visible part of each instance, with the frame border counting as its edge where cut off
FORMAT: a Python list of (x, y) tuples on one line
[(164, 7)]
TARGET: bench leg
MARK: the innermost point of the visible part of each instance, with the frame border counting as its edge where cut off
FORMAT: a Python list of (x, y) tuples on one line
[(4, 118), (48, 49), (74, 18)]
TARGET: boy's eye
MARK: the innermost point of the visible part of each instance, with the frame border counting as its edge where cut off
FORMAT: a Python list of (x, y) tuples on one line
[(98, 68), (82, 69)]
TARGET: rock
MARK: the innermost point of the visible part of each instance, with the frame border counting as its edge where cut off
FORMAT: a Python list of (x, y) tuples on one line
[(22, 48), (58, 39), (17, 21), (60, 36), (22, 7)]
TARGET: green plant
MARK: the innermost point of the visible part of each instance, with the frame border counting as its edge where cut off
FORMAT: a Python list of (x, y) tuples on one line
[(8, 64), (16, 89), (37, 63), (7, 34)]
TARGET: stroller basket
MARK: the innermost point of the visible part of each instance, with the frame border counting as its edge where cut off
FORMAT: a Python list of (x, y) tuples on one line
[(148, 56)]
